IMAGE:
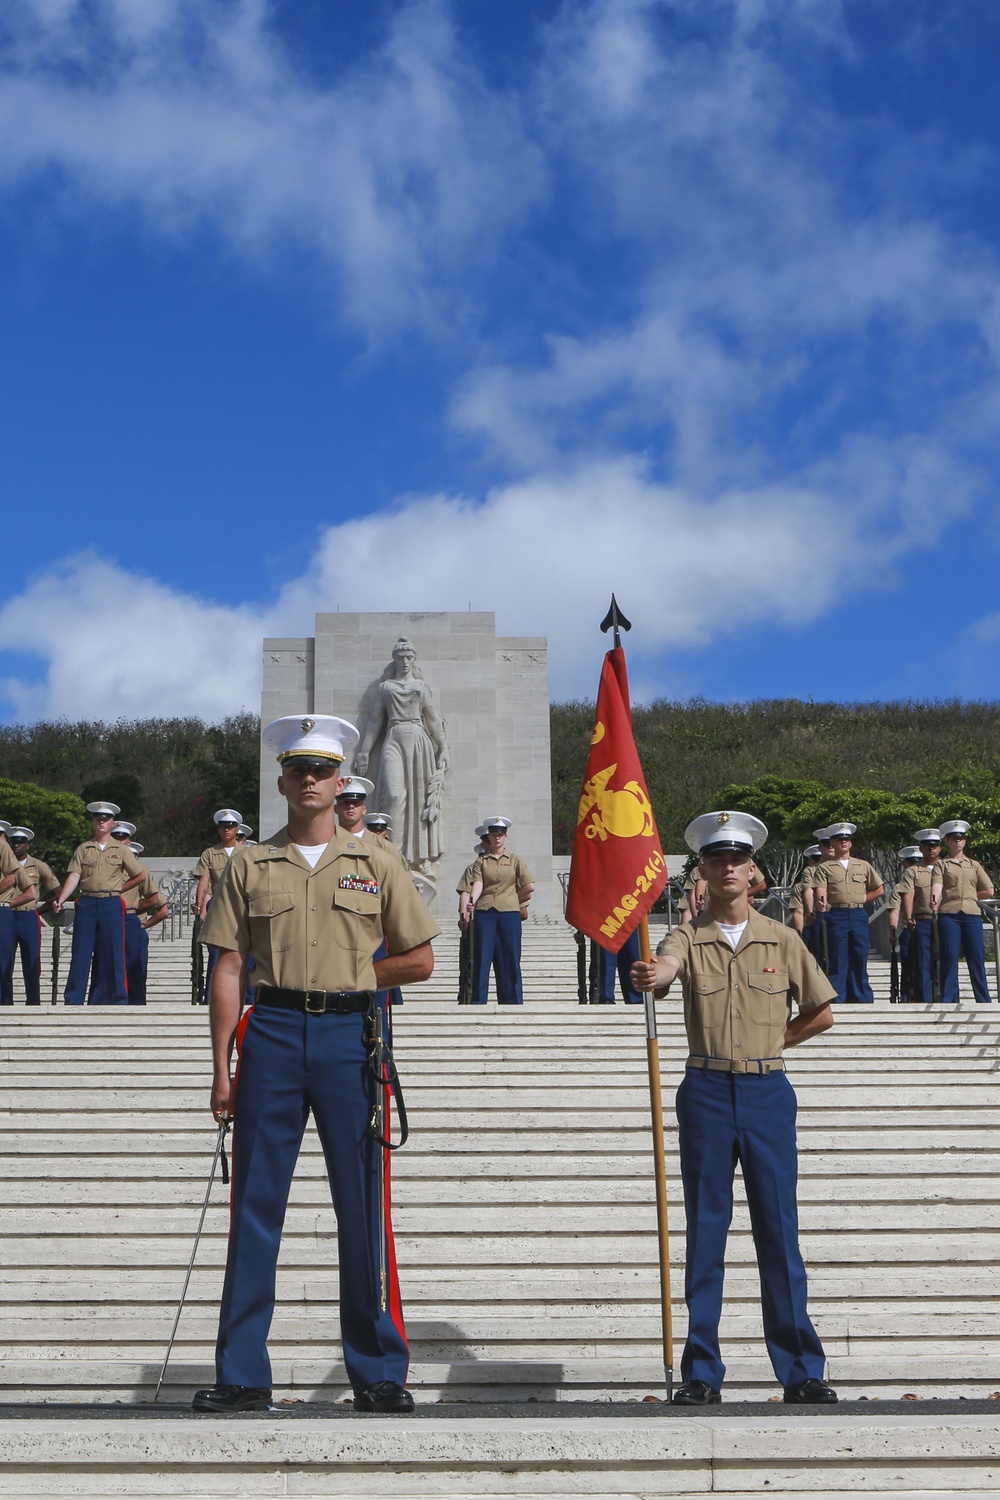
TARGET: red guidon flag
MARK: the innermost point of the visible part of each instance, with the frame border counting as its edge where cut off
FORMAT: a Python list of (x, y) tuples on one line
[(618, 868)]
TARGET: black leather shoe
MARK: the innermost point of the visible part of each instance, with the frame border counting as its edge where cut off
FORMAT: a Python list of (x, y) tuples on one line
[(386, 1396), (811, 1393), (695, 1393), (232, 1398)]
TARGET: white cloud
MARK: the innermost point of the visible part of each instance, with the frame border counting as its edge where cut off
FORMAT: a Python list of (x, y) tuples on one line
[(404, 169), (544, 554)]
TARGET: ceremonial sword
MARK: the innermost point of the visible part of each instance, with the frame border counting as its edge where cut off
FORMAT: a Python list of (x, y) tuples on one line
[(220, 1139)]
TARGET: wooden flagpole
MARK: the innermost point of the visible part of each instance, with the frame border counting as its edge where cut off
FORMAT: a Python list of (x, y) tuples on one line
[(616, 621), (659, 1167)]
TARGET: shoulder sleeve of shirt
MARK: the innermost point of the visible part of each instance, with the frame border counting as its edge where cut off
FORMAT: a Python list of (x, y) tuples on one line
[(201, 868), (47, 875), (819, 875), (228, 924), (982, 876), (23, 880), (523, 875), (676, 945), (809, 986), (75, 866), (477, 869), (131, 865), (872, 878), (906, 882), (406, 921), (8, 864), (149, 888), (465, 884)]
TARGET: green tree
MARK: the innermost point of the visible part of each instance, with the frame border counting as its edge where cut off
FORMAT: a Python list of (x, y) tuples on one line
[(58, 819), (885, 820), (775, 800)]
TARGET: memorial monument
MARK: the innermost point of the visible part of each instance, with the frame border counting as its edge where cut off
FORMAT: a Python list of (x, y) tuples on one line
[(454, 725)]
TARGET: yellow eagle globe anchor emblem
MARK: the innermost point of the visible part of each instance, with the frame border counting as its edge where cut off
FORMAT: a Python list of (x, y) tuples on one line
[(624, 813)]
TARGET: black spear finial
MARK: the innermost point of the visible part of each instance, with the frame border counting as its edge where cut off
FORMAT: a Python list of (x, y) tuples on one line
[(616, 621)]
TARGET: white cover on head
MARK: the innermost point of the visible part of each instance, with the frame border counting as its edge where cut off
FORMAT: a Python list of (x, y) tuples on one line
[(725, 829), (122, 827), (927, 836), (321, 735), (378, 820), (103, 809), (17, 832), (357, 786), (498, 825), (910, 851), (821, 833), (245, 829), (956, 825), (5, 827), (813, 852), (137, 848), (842, 830), (227, 815), (481, 831)]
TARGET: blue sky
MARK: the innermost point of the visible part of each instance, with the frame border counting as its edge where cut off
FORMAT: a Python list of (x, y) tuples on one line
[(501, 302)]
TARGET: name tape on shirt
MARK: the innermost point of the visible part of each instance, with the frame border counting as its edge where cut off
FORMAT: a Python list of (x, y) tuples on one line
[(359, 883)]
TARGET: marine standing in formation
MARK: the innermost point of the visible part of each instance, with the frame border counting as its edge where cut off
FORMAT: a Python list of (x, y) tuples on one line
[(502, 886), (27, 920), (959, 883), (741, 975), (841, 888), (104, 870), (311, 906), (212, 865), (17, 889)]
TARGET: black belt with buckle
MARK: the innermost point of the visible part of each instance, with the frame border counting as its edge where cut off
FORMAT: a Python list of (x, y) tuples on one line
[(316, 1002)]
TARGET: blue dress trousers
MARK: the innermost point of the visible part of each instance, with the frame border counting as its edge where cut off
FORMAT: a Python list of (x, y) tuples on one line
[(619, 963), (497, 936), (961, 934), (848, 944), (291, 1064), (98, 923), (725, 1118)]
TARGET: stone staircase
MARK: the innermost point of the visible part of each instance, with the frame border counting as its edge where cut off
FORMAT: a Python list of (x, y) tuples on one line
[(526, 1236)]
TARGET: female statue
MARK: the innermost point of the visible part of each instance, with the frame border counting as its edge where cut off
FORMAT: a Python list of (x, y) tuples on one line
[(413, 757)]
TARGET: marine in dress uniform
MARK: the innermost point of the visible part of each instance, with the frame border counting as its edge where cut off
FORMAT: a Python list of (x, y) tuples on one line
[(910, 858), (814, 931), (694, 896), (15, 893), (741, 975), (379, 826), (918, 914), (958, 884), (841, 887), (352, 804), (144, 908), (501, 888), (311, 905), (801, 921), (213, 863), (27, 920), (104, 870)]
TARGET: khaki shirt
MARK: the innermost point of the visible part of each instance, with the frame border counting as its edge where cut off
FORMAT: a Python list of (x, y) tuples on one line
[(738, 1004), (961, 879), (103, 870), (317, 929), (464, 887), (795, 902), (142, 893), (8, 862), (45, 881), (502, 875), (213, 862), (846, 887), (917, 879), (22, 881)]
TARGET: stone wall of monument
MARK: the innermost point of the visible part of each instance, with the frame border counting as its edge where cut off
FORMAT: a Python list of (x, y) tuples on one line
[(491, 696)]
